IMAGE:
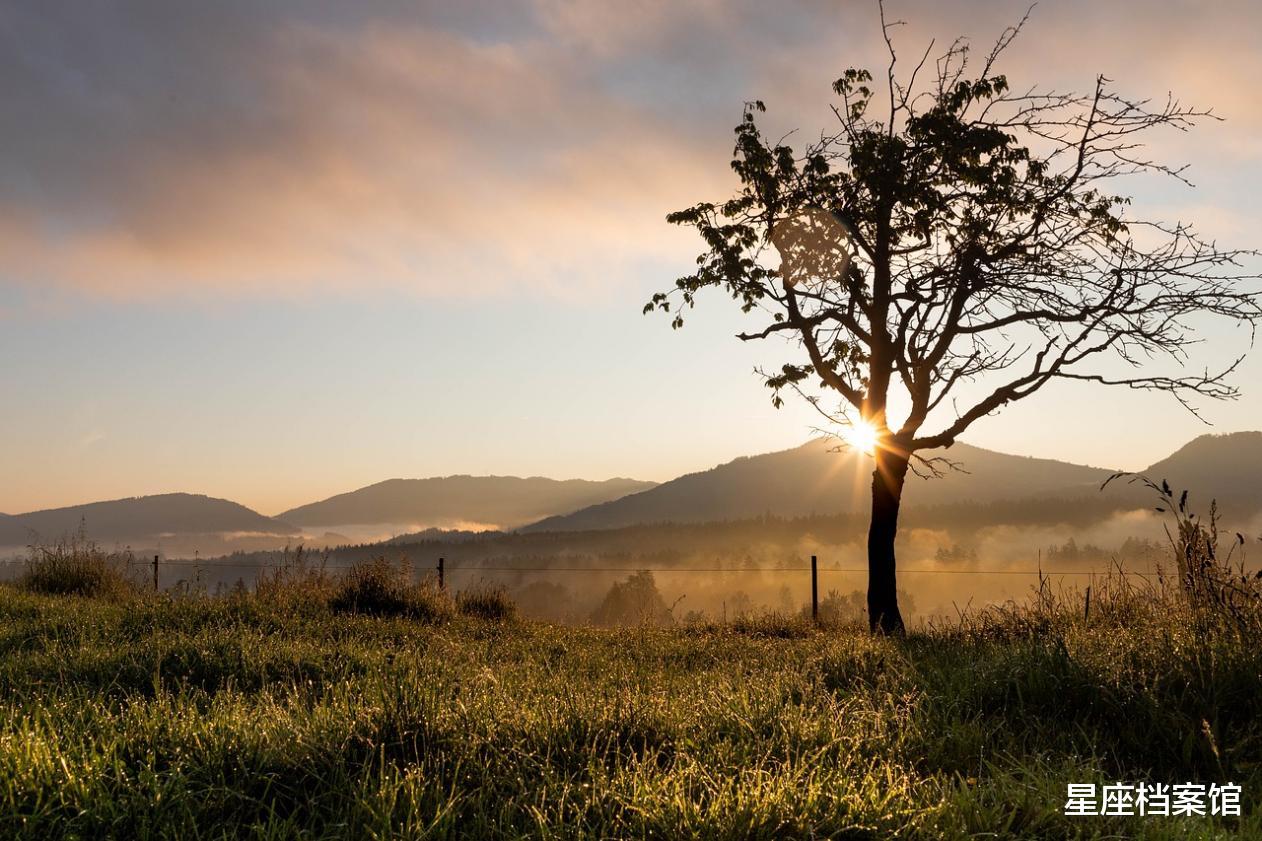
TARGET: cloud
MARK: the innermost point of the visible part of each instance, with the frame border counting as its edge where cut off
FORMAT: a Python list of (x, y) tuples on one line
[(451, 149), (328, 157)]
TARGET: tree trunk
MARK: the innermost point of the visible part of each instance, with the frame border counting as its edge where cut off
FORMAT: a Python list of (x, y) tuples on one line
[(887, 493)]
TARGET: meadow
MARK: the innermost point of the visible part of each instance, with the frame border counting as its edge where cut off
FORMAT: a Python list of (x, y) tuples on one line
[(364, 707)]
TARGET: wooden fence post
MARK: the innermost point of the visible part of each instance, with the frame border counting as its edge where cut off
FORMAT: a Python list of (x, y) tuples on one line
[(814, 590), (155, 573), (441, 586)]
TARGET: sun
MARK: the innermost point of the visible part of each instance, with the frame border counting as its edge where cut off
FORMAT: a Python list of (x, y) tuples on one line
[(862, 436)]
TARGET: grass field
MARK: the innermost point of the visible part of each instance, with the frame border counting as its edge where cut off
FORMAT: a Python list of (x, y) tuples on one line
[(148, 717)]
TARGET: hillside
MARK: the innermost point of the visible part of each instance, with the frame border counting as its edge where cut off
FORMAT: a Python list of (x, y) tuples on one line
[(447, 502), (812, 479), (804, 481), (1223, 467), (139, 518)]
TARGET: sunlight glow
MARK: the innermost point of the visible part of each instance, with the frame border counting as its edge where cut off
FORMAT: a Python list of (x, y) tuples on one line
[(862, 436)]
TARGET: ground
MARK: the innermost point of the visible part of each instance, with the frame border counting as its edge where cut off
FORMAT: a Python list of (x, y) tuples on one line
[(231, 717)]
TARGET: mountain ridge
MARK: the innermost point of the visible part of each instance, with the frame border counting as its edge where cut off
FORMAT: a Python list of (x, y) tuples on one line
[(804, 480), (139, 516), (1227, 467), (815, 478), (501, 501)]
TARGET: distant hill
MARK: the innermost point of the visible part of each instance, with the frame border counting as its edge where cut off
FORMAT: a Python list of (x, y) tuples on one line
[(502, 501), (813, 479), (139, 518), (808, 480), (1223, 467)]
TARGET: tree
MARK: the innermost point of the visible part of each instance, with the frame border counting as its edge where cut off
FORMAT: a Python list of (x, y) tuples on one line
[(964, 244), (635, 601)]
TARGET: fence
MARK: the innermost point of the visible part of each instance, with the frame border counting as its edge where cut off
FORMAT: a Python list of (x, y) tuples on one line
[(442, 570)]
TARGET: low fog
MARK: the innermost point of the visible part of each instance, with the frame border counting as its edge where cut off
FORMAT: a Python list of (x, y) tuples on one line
[(949, 559)]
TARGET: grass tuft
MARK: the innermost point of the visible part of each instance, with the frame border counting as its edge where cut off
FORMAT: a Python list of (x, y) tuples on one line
[(486, 602), (379, 588), (78, 567)]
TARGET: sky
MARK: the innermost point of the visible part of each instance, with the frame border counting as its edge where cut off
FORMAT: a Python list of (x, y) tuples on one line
[(277, 251)]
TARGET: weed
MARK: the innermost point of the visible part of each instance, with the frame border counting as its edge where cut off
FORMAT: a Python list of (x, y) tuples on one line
[(379, 588), (486, 602), (78, 567)]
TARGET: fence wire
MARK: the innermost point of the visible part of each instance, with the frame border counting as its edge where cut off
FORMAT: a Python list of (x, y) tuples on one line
[(225, 563)]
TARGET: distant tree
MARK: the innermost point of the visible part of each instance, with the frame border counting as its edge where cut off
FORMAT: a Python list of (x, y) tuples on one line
[(635, 601), (545, 600), (958, 251), (740, 604), (849, 609), (956, 553), (839, 609), (786, 599)]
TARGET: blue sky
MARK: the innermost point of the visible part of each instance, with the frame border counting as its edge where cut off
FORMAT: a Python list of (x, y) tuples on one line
[(275, 403), (275, 255)]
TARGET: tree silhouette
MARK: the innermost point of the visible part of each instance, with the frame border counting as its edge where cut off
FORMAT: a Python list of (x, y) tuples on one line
[(965, 239)]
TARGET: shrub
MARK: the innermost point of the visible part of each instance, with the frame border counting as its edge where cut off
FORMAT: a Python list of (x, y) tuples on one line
[(428, 603), (374, 587), (379, 588), (78, 567), (297, 582), (486, 602)]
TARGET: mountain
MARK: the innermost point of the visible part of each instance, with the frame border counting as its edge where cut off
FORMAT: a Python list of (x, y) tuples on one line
[(448, 502), (813, 479), (139, 518), (1223, 467)]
